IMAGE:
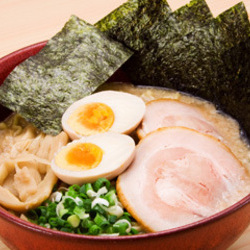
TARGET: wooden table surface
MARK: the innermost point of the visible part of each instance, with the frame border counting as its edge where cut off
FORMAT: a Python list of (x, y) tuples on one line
[(24, 22)]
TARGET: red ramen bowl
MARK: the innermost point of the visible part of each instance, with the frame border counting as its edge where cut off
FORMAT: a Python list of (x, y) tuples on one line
[(215, 232)]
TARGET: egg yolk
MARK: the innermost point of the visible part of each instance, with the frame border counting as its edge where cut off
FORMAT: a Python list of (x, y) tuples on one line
[(91, 118), (80, 156)]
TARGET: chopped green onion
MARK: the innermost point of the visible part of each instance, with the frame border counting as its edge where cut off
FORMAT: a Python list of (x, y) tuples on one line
[(87, 223), (121, 224), (42, 220), (53, 222), (73, 220), (126, 216), (89, 190), (101, 221), (62, 212), (82, 192), (95, 230), (80, 212), (87, 205), (99, 201), (100, 183), (111, 197), (121, 228), (115, 210), (134, 231), (101, 191), (91, 209), (99, 209), (73, 191), (112, 219), (56, 196)]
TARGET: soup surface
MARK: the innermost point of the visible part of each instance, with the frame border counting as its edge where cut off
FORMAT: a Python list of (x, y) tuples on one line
[(27, 141)]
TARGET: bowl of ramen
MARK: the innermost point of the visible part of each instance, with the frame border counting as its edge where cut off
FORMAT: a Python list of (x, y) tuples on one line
[(130, 133), (213, 230)]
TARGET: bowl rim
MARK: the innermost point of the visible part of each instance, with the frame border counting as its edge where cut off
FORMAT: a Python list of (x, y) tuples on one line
[(50, 232), (22, 50)]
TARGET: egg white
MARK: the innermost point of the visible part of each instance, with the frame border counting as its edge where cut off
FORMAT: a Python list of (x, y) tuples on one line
[(118, 153), (128, 110)]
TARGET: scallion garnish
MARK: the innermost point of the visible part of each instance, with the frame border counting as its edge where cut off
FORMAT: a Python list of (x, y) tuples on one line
[(91, 209)]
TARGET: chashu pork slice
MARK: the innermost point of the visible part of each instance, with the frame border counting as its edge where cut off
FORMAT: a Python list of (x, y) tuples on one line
[(180, 176), (170, 113)]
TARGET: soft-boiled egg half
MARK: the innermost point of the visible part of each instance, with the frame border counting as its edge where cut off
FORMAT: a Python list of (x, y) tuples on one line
[(89, 158), (104, 111)]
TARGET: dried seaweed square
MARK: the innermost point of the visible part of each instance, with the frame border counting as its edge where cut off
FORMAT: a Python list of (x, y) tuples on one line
[(131, 22), (72, 65), (191, 62)]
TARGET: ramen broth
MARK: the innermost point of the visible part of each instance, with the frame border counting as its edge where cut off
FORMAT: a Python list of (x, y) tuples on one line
[(226, 127)]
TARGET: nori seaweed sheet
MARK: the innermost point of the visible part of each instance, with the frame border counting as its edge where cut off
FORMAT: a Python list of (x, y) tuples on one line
[(194, 13), (141, 23), (72, 65), (131, 22), (183, 21), (184, 62), (201, 62), (151, 36), (188, 50), (234, 89), (171, 27)]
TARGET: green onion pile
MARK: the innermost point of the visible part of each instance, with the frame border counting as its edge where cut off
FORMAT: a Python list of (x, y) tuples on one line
[(91, 209)]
